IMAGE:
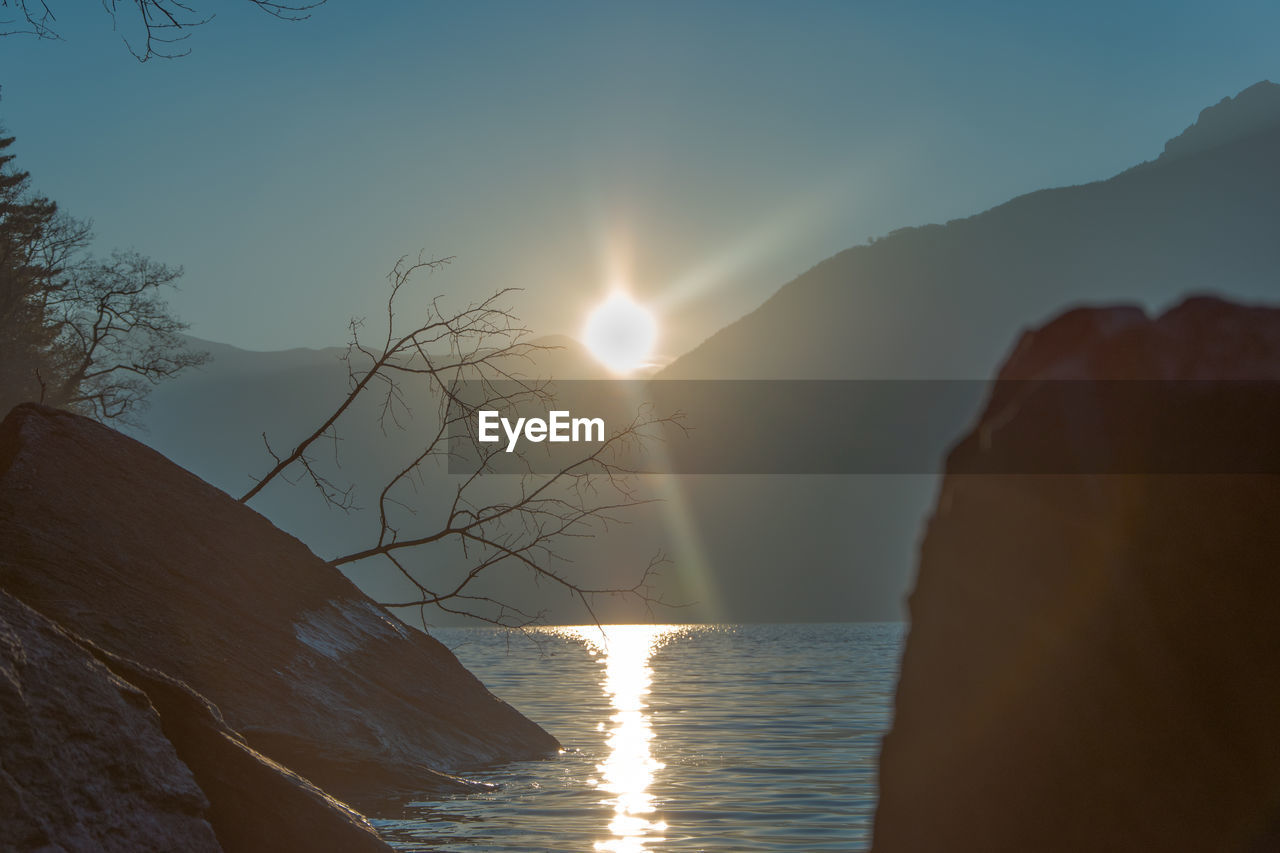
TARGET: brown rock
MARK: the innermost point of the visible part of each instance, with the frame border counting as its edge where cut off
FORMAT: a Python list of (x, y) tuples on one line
[(84, 765), (152, 564), (255, 803), (1094, 661)]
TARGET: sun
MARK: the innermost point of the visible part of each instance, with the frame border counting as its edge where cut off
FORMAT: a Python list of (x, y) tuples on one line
[(621, 334)]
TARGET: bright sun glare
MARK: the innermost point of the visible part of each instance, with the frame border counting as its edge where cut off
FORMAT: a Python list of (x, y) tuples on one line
[(621, 334)]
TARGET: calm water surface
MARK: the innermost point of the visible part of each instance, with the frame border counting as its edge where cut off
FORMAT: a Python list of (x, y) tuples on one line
[(677, 738)]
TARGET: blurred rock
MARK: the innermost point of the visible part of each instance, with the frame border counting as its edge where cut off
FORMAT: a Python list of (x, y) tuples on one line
[(1094, 661)]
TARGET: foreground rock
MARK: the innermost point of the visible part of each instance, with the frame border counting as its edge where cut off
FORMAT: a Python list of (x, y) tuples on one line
[(1094, 661), (84, 765), (152, 564), (101, 753), (254, 803)]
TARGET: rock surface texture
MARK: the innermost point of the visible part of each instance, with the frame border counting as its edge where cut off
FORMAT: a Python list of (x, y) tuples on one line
[(84, 765), (153, 565), (1094, 661), (254, 803)]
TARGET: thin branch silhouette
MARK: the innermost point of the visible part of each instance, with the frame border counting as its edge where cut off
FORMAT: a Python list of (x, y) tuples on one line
[(485, 345)]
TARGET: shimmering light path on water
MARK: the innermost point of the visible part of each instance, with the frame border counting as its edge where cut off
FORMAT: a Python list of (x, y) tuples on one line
[(677, 738), (628, 769)]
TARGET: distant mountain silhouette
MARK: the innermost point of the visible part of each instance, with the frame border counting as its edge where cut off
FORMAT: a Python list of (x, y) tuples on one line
[(213, 421), (948, 301), (944, 301), (939, 301)]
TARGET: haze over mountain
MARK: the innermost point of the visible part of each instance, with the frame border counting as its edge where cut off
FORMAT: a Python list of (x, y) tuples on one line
[(938, 301), (945, 301)]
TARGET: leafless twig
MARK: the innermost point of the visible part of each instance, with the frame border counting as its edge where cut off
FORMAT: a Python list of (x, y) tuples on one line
[(484, 344)]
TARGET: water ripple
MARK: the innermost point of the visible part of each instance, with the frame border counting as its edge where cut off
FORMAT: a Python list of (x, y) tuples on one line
[(678, 738)]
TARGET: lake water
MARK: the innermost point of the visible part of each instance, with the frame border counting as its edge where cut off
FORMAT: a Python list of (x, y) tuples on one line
[(677, 738)]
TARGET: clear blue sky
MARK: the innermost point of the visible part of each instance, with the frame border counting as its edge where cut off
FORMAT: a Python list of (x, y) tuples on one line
[(706, 151)]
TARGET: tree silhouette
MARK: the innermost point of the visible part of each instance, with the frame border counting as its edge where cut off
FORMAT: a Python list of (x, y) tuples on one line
[(115, 336), (27, 271), (76, 332)]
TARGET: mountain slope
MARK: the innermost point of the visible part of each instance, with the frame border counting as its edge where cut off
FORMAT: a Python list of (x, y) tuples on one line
[(942, 301), (939, 301)]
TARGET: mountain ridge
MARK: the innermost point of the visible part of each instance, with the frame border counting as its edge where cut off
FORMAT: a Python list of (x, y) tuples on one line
[(929, 302), (1252, 109), (1156, 231)]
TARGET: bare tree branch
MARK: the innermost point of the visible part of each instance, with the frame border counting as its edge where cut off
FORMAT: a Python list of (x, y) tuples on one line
[(116, 337), (362, 378), (483, 344), (163, 25), (33, 14)]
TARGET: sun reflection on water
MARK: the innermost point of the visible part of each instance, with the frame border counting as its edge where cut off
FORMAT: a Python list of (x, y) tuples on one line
[(627, 772)]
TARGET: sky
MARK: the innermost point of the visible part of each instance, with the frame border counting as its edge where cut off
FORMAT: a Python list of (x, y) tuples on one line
[(699, 154)]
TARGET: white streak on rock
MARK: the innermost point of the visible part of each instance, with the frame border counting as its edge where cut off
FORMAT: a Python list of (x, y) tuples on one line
[(340, 628)]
